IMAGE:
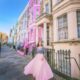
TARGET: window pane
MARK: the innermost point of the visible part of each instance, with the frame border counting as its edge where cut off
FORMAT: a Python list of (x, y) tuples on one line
[(58, 1), (47, 8), (62, 27), (79, 31), (78, 23)]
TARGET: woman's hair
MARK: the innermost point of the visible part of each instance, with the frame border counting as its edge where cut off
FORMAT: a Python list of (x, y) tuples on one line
[(38, 44)]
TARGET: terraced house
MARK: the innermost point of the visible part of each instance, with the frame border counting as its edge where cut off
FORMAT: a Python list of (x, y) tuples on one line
[(63, 31), (57, 24), (22, 26), (66, 30), (34, 10), (44, 22)]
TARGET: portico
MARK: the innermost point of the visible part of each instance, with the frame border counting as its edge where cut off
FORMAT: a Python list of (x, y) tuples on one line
[(44, 29)]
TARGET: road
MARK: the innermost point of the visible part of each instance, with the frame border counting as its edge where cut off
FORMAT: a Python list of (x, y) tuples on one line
[(12, 65)]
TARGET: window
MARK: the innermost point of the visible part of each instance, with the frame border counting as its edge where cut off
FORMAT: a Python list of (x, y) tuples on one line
[(62, 27), (48, 40), (40, 1), (58, 1), (37, 13), (78, 23), (47, 8)]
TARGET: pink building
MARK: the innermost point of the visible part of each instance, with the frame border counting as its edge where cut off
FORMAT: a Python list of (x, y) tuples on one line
[(34, 12)]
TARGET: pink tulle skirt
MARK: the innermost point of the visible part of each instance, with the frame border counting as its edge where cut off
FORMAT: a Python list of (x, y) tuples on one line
[(39, 68)]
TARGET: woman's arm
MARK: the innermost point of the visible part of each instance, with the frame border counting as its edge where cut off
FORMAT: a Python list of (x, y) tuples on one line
[(45, 52), (34, 50)]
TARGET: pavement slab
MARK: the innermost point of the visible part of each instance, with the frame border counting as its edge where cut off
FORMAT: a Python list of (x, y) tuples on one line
[(12, 65)]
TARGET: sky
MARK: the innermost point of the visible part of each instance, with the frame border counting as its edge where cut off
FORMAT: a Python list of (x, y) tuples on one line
[(10, 11)]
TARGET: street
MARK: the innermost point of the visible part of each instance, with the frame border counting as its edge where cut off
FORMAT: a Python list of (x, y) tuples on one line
[(12, 65)]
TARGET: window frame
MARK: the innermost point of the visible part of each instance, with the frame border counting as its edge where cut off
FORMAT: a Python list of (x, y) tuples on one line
[(78, 24), (47, 7), (62, 27), (59, 1)]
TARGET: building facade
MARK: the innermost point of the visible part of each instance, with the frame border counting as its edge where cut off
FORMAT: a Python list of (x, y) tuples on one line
[(11, 36), (3, 38), (28, 18), (34, 11), (44, 22), (66, 30), (22, 26), (57, 24)]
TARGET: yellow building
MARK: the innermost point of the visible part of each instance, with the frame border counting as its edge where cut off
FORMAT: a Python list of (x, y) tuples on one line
[(0, 35), (3, 37)]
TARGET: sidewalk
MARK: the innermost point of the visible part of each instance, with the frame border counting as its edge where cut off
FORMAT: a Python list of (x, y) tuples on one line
[(12, 65)]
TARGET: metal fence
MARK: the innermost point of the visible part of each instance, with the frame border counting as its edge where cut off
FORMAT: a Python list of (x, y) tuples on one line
[(60, 63)]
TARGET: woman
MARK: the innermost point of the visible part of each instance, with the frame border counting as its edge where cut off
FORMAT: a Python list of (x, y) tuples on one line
[(39, 67), (26, 49)]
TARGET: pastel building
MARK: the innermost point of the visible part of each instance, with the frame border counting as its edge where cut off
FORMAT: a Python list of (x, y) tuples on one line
[(66, 30), (3, 37), (22, 26), (57, 24), (22, 31), (15, 35), (12, 32), (27, 30), (44, 23), (34, 11)]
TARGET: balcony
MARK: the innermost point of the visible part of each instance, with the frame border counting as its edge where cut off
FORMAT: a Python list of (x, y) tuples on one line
[(44, 17)]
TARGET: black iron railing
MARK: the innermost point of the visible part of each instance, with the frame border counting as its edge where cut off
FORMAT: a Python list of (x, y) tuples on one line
[(60, 68), (74, 60)]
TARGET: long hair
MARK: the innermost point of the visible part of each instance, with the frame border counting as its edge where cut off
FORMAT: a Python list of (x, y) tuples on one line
[(38, 44)]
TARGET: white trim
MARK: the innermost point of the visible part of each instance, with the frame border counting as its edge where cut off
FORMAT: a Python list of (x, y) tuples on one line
[(23, 11)]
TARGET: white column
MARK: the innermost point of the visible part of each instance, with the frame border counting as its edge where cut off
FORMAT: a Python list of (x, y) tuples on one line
[(72, 25), (54, 2), (55, 29), (36, 34), (51, 36), (45, 34), (72, 33)]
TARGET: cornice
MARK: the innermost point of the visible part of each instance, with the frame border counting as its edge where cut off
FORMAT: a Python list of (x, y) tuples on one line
[(71, 2), (44, 15), (67, 42)]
